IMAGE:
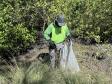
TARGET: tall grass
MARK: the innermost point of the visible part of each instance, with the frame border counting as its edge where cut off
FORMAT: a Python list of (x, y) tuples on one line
[(3, 80), (37, 73)]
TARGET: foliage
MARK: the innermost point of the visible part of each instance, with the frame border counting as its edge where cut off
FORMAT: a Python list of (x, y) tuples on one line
[(20, 19), (14, 36), (92, 20)]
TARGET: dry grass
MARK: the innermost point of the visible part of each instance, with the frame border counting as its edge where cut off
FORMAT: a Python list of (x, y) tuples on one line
[(93, 69), (95, 58)]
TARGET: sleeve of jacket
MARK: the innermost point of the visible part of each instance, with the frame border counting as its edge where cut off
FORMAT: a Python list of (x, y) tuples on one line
[(47, 32)]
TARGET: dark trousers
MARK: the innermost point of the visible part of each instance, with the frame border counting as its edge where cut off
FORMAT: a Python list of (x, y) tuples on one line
[(55, 55)]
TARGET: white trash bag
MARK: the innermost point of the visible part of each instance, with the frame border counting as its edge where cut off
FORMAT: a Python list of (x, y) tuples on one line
[(68, 59)]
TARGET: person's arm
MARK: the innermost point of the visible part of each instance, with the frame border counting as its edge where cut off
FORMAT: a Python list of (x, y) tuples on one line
[(47, 32)]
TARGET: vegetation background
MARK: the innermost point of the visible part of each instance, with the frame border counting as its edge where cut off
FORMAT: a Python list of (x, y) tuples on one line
[(20, 19), (21, 22)]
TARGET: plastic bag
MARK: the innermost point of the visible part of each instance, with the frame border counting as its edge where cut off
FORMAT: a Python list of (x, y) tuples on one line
[(68, 58)]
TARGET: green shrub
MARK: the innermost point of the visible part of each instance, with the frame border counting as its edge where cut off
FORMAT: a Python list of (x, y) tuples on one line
[(91, 19), (87, 19)]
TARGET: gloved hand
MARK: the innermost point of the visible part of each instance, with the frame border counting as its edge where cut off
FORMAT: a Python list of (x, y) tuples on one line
[(51, 44), (68, 39)]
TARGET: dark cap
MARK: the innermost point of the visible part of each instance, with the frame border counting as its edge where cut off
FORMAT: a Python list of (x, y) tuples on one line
[(60, 20)]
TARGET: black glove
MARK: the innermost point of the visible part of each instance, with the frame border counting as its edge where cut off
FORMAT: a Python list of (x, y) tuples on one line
[(68, 39), (51, 44)]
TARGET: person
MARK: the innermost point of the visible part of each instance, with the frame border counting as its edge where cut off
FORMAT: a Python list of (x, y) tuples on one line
[(55, 34)]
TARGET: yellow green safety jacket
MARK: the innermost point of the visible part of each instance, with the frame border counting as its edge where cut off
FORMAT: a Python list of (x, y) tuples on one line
[(57, 35)]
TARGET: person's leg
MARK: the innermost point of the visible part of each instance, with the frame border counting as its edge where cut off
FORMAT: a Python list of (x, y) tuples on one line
[(55, 55), (59, 48), (52, 57), (57, 58)]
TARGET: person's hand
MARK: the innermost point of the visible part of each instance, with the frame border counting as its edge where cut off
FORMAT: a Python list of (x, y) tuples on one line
[(51, 44), (68, 39)]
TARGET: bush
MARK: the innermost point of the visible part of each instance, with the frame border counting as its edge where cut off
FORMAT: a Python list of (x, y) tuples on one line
[(87, 19), (91, 19), (14, 37)]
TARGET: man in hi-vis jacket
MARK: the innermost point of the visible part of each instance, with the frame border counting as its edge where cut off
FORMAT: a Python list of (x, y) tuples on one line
[(56, 33)]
